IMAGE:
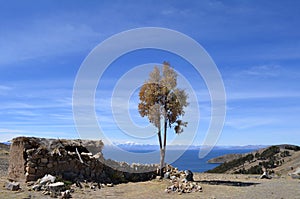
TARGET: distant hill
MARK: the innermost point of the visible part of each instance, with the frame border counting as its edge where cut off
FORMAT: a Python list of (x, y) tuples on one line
[(225, 158), (4, 149), (4, 146), (279, 159)]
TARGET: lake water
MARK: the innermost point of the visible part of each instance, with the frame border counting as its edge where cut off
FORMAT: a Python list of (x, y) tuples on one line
[(188, 160)]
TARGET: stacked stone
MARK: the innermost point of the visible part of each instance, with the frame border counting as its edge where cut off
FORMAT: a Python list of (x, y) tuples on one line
[(181, 181), (32, 158), (60, 162), (120, 172)]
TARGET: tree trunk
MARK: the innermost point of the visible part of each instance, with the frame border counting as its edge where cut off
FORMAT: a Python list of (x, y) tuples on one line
[(162, 162), (165, 133), (163, 150), (159, 138), (162, 157)]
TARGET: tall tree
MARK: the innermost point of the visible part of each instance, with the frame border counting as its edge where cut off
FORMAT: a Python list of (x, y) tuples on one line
[(163, 103)]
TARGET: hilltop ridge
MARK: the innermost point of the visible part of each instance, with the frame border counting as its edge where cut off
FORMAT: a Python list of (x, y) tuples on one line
[(278, 159)]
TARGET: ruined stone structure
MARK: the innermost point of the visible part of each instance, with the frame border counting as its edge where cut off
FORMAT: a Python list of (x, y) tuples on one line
[(75, 160)]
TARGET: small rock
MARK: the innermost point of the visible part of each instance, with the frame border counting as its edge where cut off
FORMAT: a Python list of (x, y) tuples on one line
[(102, 185), (27, 197), (66, 194), (13, 186), (56, 187), (110, 185), (44, 160), (49, 165), (78, 184), (167, 175), (37, 187), (189, 175), (46, 192), (265, 176), (30, 183)]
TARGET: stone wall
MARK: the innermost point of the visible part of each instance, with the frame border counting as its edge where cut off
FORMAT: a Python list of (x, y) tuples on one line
[(75, 160)]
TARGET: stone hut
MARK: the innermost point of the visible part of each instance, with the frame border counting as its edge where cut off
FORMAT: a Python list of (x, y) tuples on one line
[(75, 160), (32, 158)]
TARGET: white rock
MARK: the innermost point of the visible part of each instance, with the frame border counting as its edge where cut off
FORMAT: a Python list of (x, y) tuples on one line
[(47, 178), (56, 184), (13, 186)]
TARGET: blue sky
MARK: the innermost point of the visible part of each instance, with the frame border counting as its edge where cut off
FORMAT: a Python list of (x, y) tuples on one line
[(255, 45)]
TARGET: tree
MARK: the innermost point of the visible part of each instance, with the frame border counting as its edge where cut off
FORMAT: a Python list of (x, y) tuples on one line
[(163, 103)]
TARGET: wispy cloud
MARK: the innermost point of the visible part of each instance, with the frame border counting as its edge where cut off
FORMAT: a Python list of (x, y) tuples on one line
[(8, 134), (45, 37), (5, 88), (263, 70), (11, 131), (249, 122), (251, 95)]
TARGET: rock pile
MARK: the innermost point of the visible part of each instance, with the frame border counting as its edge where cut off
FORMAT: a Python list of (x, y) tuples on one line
[(52, 186), (182, 181), (48, 186)]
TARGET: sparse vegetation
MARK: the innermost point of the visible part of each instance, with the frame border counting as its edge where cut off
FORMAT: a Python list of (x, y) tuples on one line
[(232, 164), (292, 147), (269, 153), (270, 158)]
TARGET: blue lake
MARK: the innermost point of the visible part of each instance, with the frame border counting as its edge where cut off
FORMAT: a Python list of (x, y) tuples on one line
[(188, 160)]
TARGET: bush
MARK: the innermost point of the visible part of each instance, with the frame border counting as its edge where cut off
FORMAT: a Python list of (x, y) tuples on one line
[(270, 152), (255, 170)]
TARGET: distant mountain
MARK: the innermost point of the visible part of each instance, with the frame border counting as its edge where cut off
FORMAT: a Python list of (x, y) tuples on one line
[(6, 143), (279, 159), (133, 146), (136, 146), (254, 147)]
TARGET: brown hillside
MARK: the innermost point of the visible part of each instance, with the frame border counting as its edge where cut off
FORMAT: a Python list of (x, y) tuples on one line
[(279, 159)]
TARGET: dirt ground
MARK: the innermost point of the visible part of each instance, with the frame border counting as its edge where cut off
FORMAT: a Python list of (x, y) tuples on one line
[(214, 186)]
